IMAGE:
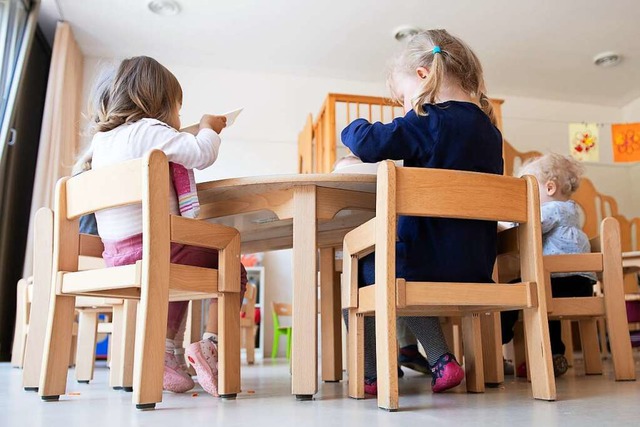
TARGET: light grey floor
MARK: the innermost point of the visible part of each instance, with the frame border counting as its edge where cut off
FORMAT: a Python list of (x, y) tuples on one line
[(266, 402)]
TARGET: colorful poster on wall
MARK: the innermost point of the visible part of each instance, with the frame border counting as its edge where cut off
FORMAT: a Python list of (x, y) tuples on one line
[(583, 142), (626, 142)]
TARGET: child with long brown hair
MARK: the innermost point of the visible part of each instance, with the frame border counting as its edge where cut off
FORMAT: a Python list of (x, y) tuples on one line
[(135, 110), (449, 124)]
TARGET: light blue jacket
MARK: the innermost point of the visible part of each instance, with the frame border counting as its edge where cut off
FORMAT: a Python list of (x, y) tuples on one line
[(561, 232)]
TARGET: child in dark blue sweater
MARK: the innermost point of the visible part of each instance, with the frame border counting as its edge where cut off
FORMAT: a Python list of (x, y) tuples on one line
[(449, 124)]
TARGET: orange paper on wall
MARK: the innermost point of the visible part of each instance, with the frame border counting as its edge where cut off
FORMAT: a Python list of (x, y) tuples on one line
[(626, 142)]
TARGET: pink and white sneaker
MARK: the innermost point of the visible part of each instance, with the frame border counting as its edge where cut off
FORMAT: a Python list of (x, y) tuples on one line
[(203, 356), (175, 378), (447, 373)]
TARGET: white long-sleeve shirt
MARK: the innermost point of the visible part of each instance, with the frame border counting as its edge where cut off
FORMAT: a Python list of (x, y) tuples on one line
[(134, 140)]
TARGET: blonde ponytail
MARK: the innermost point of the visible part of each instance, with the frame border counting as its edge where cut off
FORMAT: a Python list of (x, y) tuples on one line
[(430, 88), (485, 105)]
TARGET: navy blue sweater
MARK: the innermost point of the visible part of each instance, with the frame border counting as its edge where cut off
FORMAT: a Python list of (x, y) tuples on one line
[(453, 135)]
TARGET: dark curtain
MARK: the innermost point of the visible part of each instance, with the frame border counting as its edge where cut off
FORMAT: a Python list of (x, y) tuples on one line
[(18, 175)]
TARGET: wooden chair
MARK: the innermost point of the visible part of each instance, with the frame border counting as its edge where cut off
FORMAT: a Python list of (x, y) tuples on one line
[(154, 281), (451, 194), (510, 155), (605, 260), (281, 309), (34, 301), (247, 322), (595, 206)]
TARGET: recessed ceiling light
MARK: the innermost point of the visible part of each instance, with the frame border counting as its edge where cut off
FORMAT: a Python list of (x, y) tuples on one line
[(164, 7), (405, 32), (607, 59)]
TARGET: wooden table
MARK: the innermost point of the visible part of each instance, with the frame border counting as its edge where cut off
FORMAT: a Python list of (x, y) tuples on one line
[(306, 213)]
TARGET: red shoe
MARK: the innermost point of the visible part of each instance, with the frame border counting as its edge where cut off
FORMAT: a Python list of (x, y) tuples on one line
[(371, 386), (447, 373), (521, 371)]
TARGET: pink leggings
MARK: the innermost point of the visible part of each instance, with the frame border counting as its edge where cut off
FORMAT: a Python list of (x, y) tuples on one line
[(128, 251)]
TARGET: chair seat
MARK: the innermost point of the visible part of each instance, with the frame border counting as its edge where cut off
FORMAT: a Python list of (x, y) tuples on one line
[(185, 282)]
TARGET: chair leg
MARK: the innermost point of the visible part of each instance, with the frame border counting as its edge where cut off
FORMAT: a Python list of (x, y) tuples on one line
[(602, 338), (21, 327), (567, 340), (73, 353), (276, 344), (40, 300), (86, 351), (115, 347), (519, 347), (289, 340), (615, 312), (151, 332), (250, 344), (228, 344), (355, 355), (122, 345), (539, 363), (473, 357), (492, 350), (387, 362), (57, 346), (590, 348)]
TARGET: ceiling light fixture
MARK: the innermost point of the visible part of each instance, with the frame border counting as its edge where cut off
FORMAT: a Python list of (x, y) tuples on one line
[(607, 59), (164, 7), (405, 32)]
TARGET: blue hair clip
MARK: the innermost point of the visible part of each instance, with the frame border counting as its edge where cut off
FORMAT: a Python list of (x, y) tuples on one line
[(436, 49)]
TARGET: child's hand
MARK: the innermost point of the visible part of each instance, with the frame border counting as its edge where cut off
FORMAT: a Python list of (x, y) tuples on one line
[(217, 123)]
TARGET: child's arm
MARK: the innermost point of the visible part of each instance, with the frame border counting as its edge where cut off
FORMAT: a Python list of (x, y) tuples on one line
[(551, 216), (402, 139), (191, 151)]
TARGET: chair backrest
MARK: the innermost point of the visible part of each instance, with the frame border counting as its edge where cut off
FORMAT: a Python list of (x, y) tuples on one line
[(456, 194), (143, 181), (626, 236), (280, 309), (510, 155), (249, 303), (595, 206)]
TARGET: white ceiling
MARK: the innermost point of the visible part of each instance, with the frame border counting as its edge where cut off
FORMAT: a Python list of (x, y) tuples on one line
[(541, 48)]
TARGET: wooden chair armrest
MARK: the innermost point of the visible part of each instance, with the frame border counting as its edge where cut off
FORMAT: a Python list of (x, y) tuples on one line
[(360, 241), (573, 263), (357, 243), (203, 234)]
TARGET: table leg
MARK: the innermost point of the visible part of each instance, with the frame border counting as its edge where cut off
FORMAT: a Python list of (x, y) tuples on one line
[(331, 319), (304, 359)]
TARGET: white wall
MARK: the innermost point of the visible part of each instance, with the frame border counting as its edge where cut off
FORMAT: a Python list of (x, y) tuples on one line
[(263, 140), (631, 111)]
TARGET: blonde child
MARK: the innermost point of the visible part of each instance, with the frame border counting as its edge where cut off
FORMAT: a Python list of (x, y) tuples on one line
[(449, 124), (558, 178), (136, 109)]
